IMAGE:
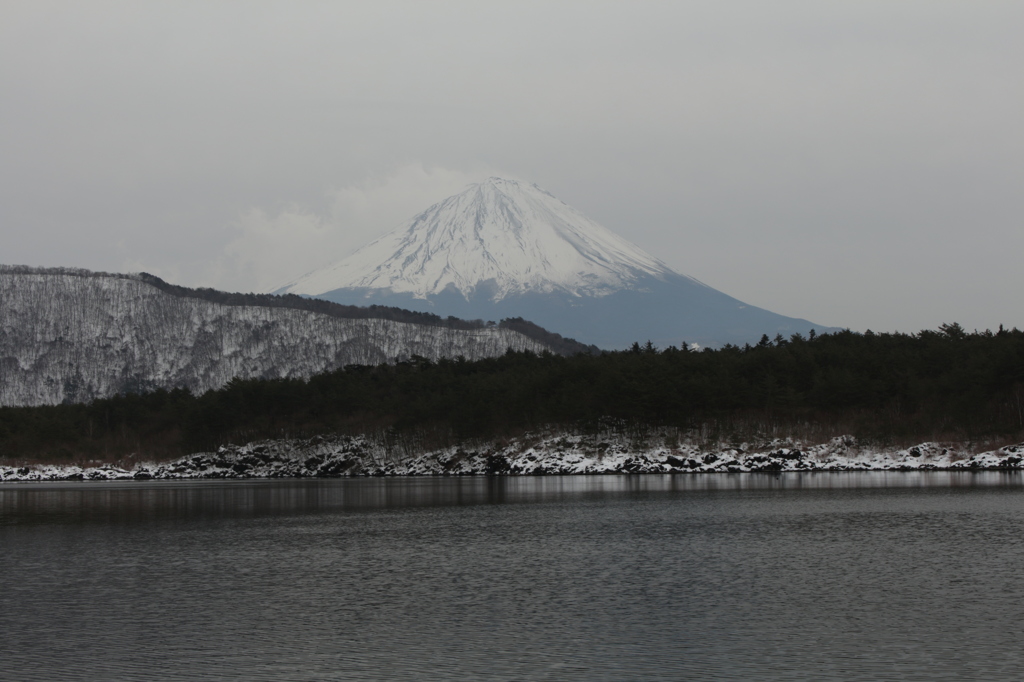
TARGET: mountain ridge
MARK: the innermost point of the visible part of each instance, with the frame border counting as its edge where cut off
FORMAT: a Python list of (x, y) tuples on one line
[(504, 248), (71, 335)]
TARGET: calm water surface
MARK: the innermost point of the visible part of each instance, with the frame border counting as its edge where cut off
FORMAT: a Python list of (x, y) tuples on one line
[(847, 576)]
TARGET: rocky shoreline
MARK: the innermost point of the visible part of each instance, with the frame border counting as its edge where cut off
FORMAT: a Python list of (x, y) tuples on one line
[(345, 456)]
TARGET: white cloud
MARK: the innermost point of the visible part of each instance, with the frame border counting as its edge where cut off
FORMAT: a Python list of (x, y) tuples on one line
[(268, 246)]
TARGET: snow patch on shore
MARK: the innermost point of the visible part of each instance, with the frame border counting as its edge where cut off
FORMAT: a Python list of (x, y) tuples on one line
[(344, 456)]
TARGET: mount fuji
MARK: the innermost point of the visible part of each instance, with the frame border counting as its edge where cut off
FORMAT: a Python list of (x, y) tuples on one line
[(503, 248)]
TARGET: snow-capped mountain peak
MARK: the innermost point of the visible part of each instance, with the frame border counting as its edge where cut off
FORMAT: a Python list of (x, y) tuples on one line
[(504, 249), (503, 236)]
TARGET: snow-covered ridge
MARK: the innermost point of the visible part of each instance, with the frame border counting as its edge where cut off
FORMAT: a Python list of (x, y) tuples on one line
[(553, 453), (69, 335), (508, 236)]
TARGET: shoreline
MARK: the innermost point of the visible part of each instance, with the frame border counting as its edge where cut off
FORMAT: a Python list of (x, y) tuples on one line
[(350, 457)]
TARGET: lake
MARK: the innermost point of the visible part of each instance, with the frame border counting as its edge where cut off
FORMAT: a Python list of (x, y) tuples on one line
[(842, 576)]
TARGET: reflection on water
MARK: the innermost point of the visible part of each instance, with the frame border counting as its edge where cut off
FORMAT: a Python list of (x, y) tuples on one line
[(142, 501), (845, 576)]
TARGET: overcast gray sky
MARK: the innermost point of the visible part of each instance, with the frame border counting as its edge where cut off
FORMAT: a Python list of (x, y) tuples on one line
[(856, 163)]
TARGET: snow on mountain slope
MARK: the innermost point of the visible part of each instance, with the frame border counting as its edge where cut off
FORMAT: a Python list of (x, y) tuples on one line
[(72, 335), (503, 249), (511, 236)]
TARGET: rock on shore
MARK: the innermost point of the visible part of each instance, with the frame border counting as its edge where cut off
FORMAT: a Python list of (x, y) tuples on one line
[(338, 456)]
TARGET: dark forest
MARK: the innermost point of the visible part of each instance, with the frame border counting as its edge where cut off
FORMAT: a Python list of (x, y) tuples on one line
[(944, 384)]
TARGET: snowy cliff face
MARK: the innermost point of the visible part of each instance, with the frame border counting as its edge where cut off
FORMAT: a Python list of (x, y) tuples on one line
[(503, 248), (71, 336)]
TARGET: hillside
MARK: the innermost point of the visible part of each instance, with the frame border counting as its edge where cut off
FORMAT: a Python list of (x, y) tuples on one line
[(70, 335)]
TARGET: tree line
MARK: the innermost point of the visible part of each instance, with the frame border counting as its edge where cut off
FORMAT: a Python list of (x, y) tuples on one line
[(558, 343), (941, 384)]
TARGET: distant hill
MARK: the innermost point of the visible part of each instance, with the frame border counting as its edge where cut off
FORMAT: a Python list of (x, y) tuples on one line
[(69, 335), (504, 248)]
